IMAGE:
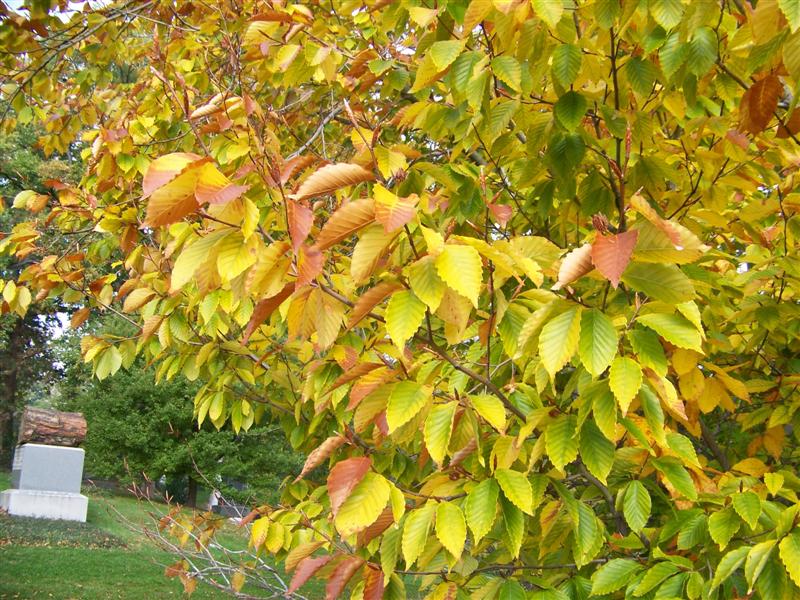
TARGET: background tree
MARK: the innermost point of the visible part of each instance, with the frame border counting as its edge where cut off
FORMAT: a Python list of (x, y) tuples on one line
[(522, 271)]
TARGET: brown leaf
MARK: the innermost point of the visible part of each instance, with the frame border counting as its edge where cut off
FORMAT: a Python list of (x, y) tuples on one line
[(321, 453), (385, 519), (346, 221), (373, 583), (331, 178), (344, 476), (293, 165), (264, 309), (79, 318), (762, 101), (612, 253), (501, 213), (369, 300), (305, 570), (341, 575), (574, 266), (790, 126), (300, 221), (309, 265), (353, 373)]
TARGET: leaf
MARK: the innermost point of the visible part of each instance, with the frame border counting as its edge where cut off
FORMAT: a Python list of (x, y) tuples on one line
[(343, 477), (574, 266), (516, 488), (481, 508), (625, 379), (597, 452), (305, 570), (331, 178), (136, 299), (654, 576), (438, 428), (612, 253), (662, 282), (561, 441), (722, 526), (570, 110), (748, 506), (513, 529), (566, 63), (343, 572), (424, 280), (702, 52), (416, 529), (477, 11), (404, 315), (641, 75), (191, 257), (165, 169), (613, 575), (451, 530), (173, 201), (636, 506), (345, 221), (264, 309), (320, 454), (677, 476), (727, 565), (790, 555), (675, 329), (368, 250), (460, 268), (491, 409), (213, 187), (364, 505), (598, 341), (649, 350), (369, 300), (301, 219), (760, 102), (373, 584), (558, 340), (392, 211), (405, 402), (667, 13), (756, 561), (791, 10), (548, 11), (444, 53), (508, 70)]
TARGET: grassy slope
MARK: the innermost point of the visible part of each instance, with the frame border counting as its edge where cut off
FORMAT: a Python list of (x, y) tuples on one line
[(49, 559)]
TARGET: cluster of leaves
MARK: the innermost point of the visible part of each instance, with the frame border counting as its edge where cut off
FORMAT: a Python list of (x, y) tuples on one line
[(523, 272)]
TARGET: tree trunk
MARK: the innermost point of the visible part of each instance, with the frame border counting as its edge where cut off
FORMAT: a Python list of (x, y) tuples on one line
[(44, 426), (191, 494), (8, 395)]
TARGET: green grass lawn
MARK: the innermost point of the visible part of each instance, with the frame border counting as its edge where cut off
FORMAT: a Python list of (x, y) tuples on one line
[(101, 559)]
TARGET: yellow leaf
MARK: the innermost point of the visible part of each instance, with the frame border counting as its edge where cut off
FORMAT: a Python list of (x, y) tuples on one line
[(460, 268), (331, 178), (559, 339), (137, 298), (625, 379), (451, 529)]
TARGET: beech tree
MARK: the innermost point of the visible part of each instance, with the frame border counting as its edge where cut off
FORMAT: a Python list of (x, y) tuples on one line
[(522, 273)]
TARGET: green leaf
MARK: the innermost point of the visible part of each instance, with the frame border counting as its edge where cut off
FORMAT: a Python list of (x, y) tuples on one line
[(756, 561), (461, 269), (702, 51), (549, 11), (597, 452), (677, 330), (693, 532), (748, 506), (508, 70), (566, 63), (727, 565), (791, 10), (790, 556), (673, 54), (570, 109), (451, 530), (614, 575), (416, 529), (723, 525), (667, 13), (654, 576), (625, 379), (404, 315), (662, 282), (558, 340), (516, 488), (513, 529), (438, 428), (364, 505), (641, 75), (606, 12), (677, 476), (445, 52), (511, 590), (648, 350), (390, 549), (561, 441), (426, 283), (683, 447), (491, 409), (604, 407), (405, 402), (653, 413), (481, 508), (636, 506), (598, 341)]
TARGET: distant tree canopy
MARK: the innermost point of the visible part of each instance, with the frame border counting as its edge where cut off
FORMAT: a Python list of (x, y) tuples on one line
[(523, 273)]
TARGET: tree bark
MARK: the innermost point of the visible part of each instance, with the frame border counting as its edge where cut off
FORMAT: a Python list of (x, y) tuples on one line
[(44, 426), (191, 494)]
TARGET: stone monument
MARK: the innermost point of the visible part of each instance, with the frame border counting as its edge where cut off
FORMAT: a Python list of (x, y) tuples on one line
[(48, 467)]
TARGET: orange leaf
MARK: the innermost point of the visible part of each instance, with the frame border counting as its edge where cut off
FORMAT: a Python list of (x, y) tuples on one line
[(392, 211), (373, 583), (354, 373), (173, 201), (642, 206), (501, 213), (309, 265), (166, 168), (264, 309), (79, 317), (341, 575), (305, 569), (383, 523), (330, 178), (298, 163), (369, 300), (320, 454), (213, 187), (300, 221), (344, 476), (575, 265), (612, 253), (762, 100), (345, 221)]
